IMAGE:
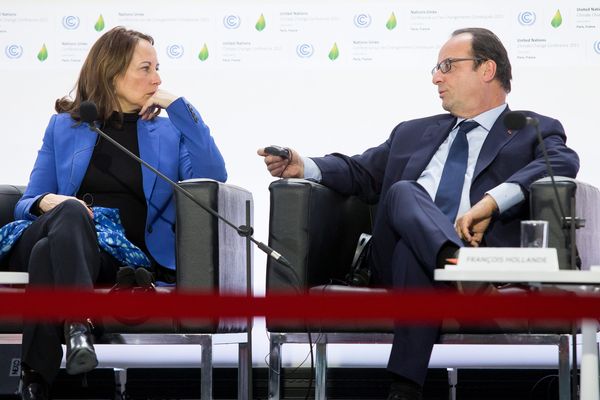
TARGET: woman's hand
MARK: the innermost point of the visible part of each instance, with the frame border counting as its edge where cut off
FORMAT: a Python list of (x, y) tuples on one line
[(159, 100), (51, 200)]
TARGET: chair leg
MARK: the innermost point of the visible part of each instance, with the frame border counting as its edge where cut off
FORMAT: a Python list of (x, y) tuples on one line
[(120, 383), (274, 366), (243, 372), (564, 370), (321, 372), (206, 369), (589, 360), (452, 381)]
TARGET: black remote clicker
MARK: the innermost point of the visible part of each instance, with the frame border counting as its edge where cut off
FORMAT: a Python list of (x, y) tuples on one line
[(279, 151)]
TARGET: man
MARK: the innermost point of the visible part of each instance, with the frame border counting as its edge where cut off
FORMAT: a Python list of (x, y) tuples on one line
[(443, 182)]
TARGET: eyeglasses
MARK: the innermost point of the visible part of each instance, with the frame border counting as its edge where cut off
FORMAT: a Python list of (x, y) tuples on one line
[(446, 65)]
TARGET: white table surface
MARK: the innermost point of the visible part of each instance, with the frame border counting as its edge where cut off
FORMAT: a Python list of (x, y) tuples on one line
[(16, 278), (562, 276)]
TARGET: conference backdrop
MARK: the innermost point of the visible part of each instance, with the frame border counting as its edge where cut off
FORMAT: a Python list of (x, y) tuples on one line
[(318, 76)]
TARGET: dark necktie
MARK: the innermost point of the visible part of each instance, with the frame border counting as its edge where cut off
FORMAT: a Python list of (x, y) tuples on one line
[(449, 191)]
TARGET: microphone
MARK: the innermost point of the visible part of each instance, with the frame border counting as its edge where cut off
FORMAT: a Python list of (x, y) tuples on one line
[(89, 114), (516, 120)]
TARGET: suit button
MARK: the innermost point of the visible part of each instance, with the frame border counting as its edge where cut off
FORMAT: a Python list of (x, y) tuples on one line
[(149, 229), (191, 110)]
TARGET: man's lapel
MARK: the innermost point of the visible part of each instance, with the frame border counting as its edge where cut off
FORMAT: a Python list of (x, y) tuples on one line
[(498, 137)]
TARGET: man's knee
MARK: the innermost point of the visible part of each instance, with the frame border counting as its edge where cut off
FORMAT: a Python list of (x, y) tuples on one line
[(401, 188), (400, 194)]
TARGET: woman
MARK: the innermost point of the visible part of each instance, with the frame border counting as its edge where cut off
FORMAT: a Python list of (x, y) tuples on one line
[(76, 170)]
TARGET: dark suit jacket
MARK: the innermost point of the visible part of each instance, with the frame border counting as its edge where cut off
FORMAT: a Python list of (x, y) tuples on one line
[(506, 156), (179, 146)]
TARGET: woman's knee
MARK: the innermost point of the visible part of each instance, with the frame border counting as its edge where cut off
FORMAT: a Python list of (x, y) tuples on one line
[(72, 207), (69, 217)]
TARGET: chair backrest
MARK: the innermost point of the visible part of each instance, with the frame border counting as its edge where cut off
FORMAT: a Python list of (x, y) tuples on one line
[(316, 229), (9, 195)]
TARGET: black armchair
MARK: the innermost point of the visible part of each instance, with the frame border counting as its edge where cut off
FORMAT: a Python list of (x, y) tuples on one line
[(317, 230), (211, 257)]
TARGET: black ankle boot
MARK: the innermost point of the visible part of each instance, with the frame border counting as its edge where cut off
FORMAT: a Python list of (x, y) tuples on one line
[(81, 356), (125, 279), (144, 278), (33, 386)]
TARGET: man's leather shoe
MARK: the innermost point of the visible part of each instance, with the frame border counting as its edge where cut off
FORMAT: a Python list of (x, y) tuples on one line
[(33, 386), (405, 390), (81, 356)]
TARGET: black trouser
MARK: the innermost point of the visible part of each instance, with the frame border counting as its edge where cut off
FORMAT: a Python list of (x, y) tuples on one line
[(60, 249), (410, 230)]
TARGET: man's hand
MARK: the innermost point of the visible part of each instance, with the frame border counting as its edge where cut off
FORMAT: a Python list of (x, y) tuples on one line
[(472, 225), (281, 167), (51, 200)]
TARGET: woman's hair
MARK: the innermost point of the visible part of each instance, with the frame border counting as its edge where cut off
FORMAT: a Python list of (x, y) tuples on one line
[(108, 59)]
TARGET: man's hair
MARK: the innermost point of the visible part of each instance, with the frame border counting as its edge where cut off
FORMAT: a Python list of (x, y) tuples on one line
[(486, 46), (107, 60)]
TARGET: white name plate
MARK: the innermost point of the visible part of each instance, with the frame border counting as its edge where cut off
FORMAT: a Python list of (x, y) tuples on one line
[(508, 259)]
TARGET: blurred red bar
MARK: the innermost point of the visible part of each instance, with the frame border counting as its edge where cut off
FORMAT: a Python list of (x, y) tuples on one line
[(407, 306)]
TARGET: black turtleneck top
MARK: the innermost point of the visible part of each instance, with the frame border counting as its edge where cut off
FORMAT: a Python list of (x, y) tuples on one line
[(114, 180)]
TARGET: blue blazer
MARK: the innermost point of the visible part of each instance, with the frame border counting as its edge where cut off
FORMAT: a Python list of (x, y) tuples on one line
[(506, 156), (179, 146)]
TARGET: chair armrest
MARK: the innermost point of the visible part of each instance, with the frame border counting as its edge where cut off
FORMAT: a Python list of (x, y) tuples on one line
[(316, 229), (588, 237), (210, 255), (586, 201), (9, 195)]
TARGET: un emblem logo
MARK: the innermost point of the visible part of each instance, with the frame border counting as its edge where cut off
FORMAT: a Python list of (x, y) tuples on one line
[(70, 22)]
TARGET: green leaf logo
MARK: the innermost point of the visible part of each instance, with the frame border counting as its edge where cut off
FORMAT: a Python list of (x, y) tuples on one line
[(99, 24), (203, 55), (260, 24), (557, 20), (43, 53), (334, 52), (391, 22)]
